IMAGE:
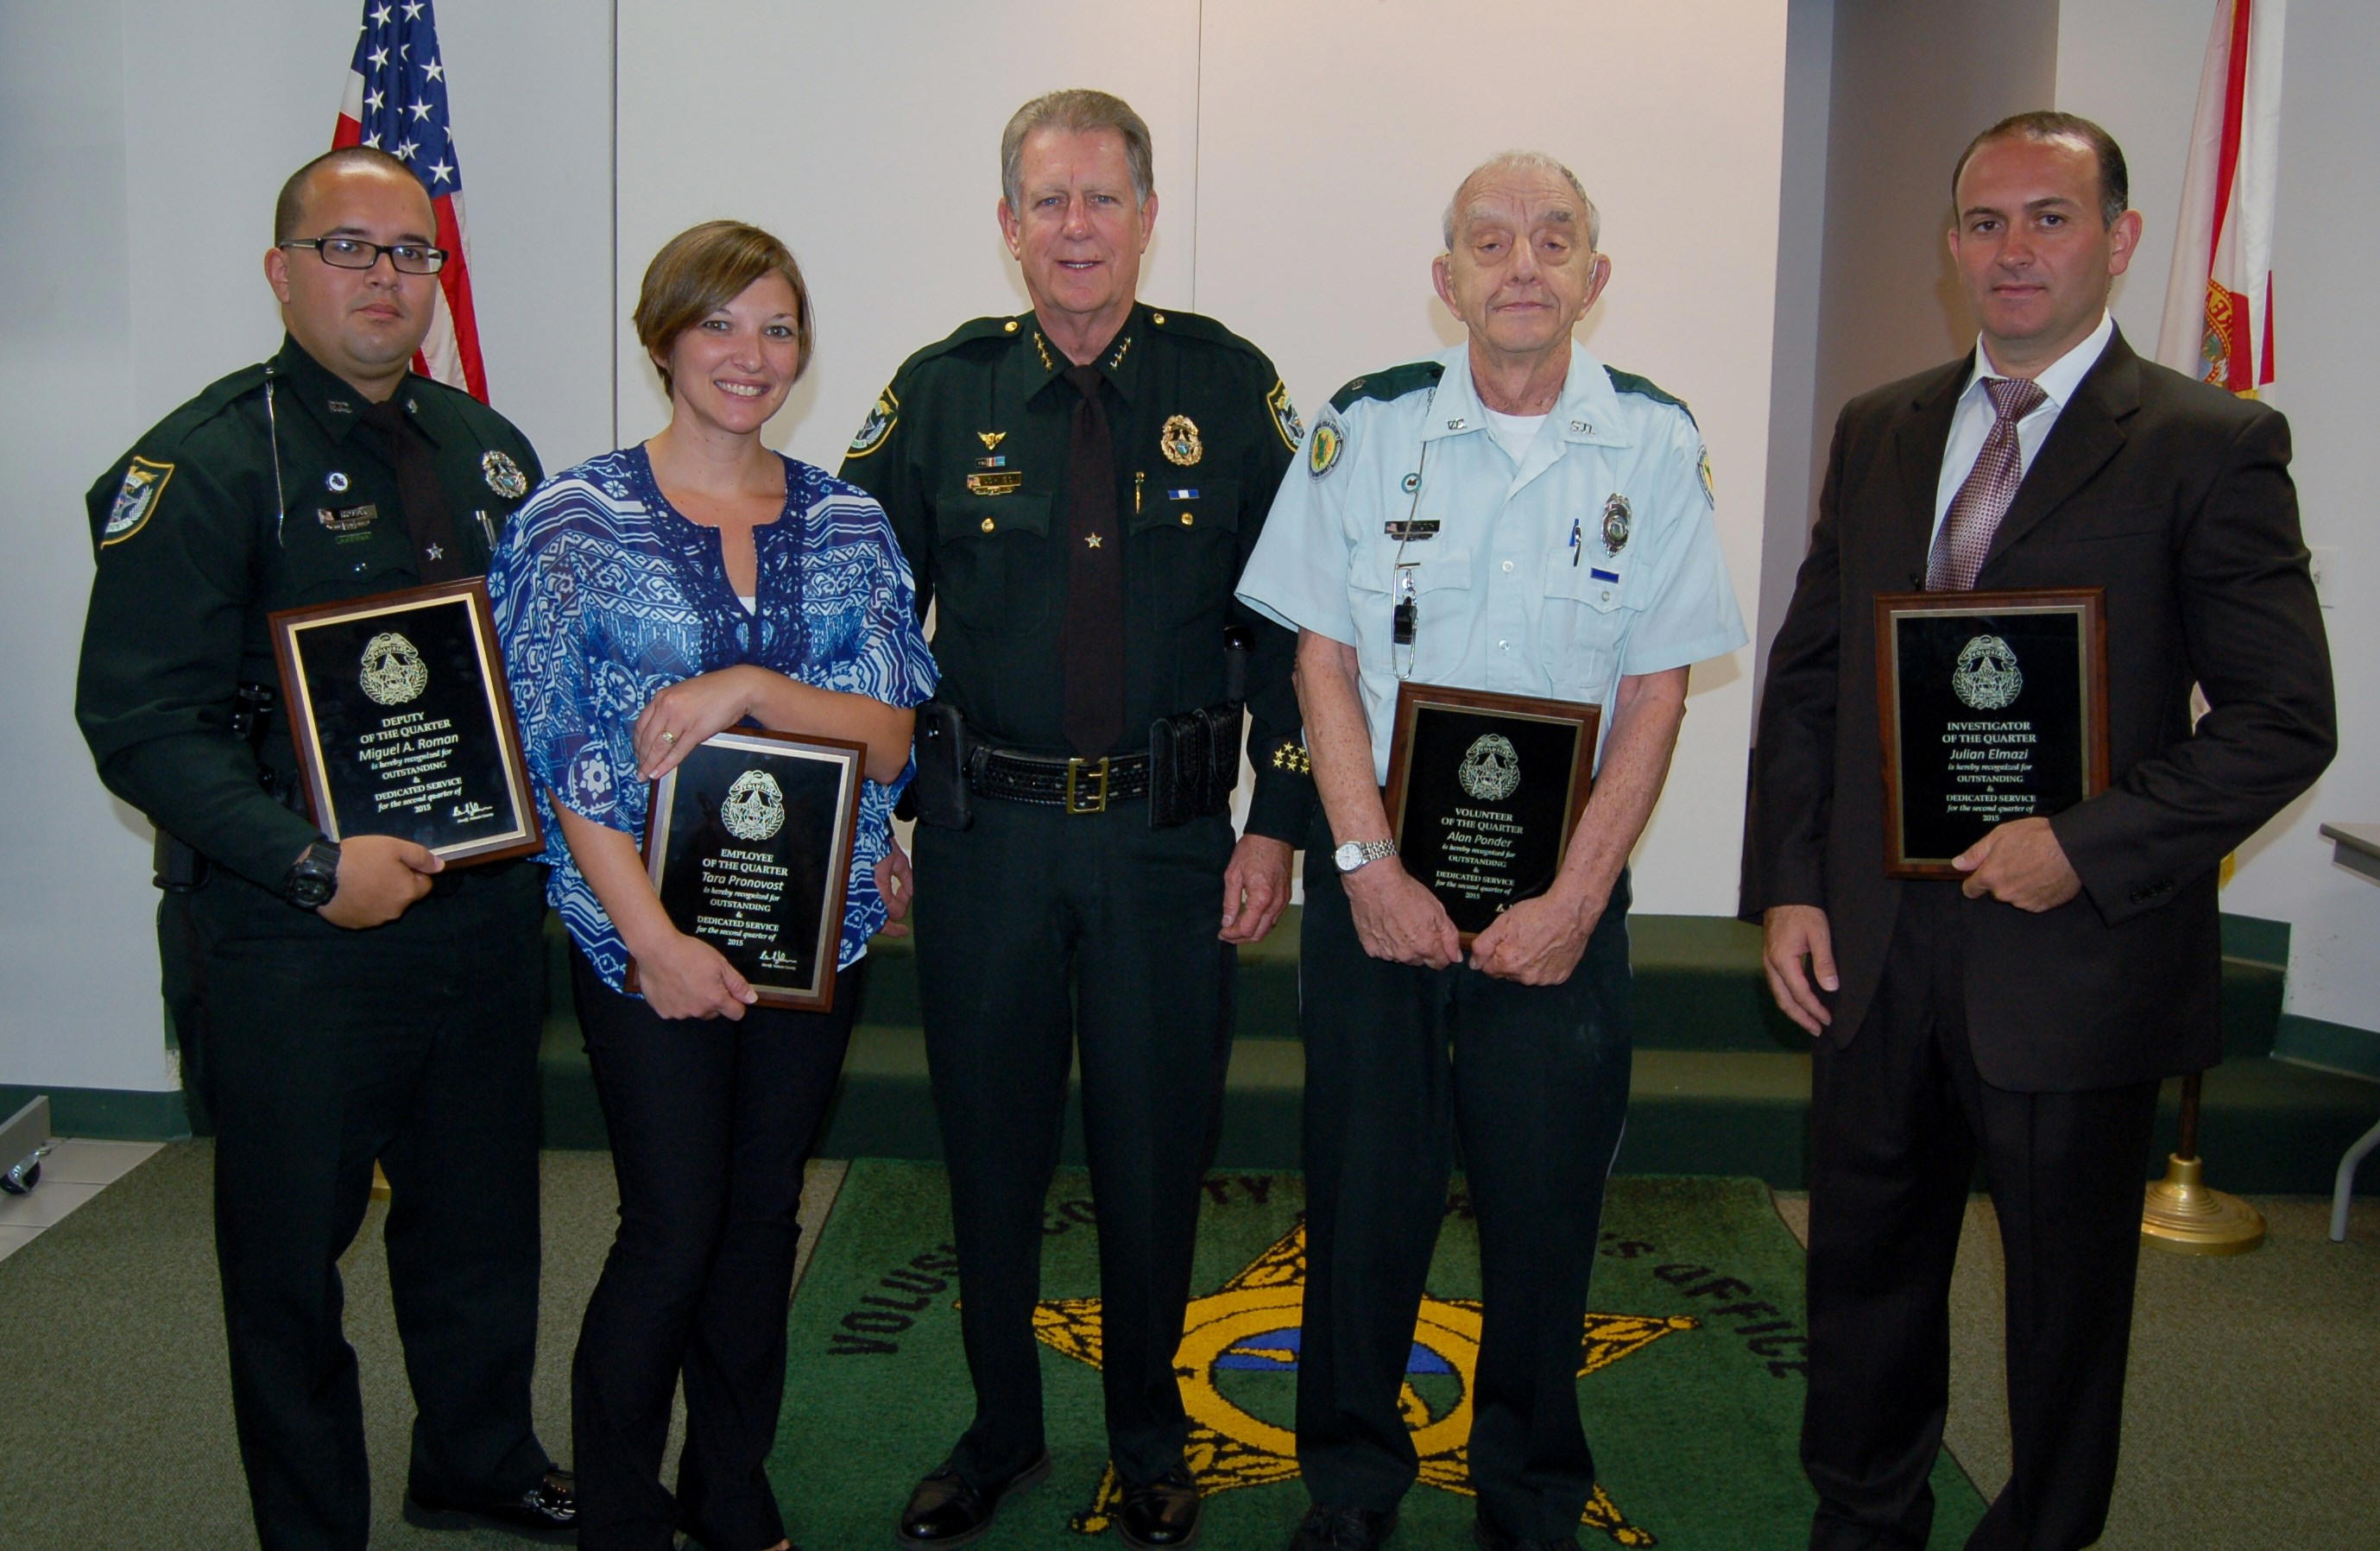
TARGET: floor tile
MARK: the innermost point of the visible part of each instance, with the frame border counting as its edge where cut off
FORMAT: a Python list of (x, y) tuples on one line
[(76, 1160), (13, 1238), (45, 1204)]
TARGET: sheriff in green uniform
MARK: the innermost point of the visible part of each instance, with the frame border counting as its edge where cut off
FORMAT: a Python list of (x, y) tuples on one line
[(1076, 490), (337, 1004)]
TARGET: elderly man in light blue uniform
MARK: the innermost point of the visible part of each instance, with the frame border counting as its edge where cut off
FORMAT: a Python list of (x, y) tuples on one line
[(1512, 515)]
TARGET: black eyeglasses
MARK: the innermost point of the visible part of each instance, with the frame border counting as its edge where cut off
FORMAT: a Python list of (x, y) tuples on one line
[(405, 257)]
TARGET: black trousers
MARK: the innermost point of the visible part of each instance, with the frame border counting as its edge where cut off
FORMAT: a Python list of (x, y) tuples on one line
[(1400, 1062), (1041, 932), (1898, 1119), (416, 1044), (710, 1122)]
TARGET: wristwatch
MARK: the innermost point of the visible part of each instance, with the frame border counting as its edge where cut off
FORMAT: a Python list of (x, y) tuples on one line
[(1360, 852), (313, 878)]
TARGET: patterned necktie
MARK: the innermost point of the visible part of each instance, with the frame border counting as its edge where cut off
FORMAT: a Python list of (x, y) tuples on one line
[(1976, 510), (1092, 643), (435, 555)]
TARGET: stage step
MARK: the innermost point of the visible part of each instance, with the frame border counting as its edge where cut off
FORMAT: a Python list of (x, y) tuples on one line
[(1721, 1080)]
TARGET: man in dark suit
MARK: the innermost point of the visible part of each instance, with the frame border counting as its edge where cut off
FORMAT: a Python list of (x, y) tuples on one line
[(2027, 1014)]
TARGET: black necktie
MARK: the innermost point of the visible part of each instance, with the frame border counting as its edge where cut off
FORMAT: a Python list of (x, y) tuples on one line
[(1093, 639), (427, 518)]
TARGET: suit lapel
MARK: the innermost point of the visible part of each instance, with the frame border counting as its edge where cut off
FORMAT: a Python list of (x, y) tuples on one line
[(1919, 435), (2089, 431)]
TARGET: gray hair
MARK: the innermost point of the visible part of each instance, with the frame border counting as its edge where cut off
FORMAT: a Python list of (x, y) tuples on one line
[(1078, 112), (1522, 160)]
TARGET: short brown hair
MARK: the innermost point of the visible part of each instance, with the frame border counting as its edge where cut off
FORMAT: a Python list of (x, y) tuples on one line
[(701, 270), (289, 209), (1078, 112), (2115, 181)]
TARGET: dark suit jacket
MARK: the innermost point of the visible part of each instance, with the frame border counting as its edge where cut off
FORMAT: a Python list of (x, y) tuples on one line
[(2174, 496)]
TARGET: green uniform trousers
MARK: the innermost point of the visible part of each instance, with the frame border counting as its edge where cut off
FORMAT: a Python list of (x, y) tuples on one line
[(1038, 931), (414, 1044), (1401, 1061)]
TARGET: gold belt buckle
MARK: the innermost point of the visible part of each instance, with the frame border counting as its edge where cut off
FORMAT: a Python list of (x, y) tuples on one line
[(1081, 773)]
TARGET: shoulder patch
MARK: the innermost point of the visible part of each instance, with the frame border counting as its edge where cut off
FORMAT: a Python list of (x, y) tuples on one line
[(877, 427), (1644, 387), (1284, 414), (1710, 490), (1323, 448), (144, 486), (1394, 383)]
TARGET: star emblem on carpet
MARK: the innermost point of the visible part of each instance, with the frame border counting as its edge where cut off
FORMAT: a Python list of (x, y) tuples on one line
[(1250, 1325)]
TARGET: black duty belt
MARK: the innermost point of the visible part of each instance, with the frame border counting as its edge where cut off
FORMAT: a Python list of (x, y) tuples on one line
[(1076, 785)]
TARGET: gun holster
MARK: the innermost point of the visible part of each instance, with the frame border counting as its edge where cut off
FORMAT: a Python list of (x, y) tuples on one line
[(1193, 763), (940, 792), (176, 868)]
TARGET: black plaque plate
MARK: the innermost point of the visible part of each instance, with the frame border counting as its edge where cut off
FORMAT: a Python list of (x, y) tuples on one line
[(748, 845), (403, 725), (1992, 706), (1484, 791)]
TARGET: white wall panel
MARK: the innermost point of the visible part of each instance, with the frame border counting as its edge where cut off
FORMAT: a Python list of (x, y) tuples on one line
[(867, 139)]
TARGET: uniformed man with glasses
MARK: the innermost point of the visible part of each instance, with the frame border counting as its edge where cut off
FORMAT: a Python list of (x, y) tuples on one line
[(335, 1003)]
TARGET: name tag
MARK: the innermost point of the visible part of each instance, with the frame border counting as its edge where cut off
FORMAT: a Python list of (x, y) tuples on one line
[(1006, 484), (353, 519), (1411, 532)]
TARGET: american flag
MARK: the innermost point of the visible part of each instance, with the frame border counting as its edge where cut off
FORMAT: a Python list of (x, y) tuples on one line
[(397, 101)]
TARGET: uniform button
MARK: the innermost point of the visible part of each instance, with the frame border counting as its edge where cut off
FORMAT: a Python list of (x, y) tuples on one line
[(986, 525), (1607, 595), (360, 567), (1187, 519), (1508, 565), (1503, 646), (1157, 318), (1011, 325)]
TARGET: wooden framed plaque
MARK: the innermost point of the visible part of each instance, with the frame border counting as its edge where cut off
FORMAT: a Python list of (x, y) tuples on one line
[(1992, 706), (1484, 791), (403, 724), (749, 844)]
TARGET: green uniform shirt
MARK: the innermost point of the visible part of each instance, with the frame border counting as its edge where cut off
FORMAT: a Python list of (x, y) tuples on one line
[(967, 452), (199, 541)]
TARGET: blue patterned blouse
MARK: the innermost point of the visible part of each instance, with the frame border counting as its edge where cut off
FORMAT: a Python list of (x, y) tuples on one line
[(604, 595)]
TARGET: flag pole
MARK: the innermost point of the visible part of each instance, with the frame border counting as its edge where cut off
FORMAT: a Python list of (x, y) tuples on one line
[(2182, 1214)]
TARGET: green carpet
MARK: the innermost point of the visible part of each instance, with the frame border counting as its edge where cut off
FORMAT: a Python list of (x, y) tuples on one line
[(1689, 1374)]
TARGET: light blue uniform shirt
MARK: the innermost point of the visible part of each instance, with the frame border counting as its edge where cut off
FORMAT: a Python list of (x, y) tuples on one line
[(1505, 598)]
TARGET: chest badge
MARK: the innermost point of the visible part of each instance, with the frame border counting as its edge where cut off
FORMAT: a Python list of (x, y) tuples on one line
[(503, 475), (336, 482), (1179, 440), (990, 439), (1616, 520)]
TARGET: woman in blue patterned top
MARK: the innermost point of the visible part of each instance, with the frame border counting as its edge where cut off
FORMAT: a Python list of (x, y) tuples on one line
[(647, 600)]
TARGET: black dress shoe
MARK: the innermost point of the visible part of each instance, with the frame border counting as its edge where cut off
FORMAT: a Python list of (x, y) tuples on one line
[(945, 1510), (1489, 1538), (1163, 1513), (1343, 1528), (547, 1511)]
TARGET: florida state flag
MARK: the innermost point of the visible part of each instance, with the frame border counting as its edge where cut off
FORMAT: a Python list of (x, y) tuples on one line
[(2218, 306)]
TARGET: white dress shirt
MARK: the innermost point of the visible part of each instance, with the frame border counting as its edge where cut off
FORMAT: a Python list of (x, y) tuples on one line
[(1972, 421)]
